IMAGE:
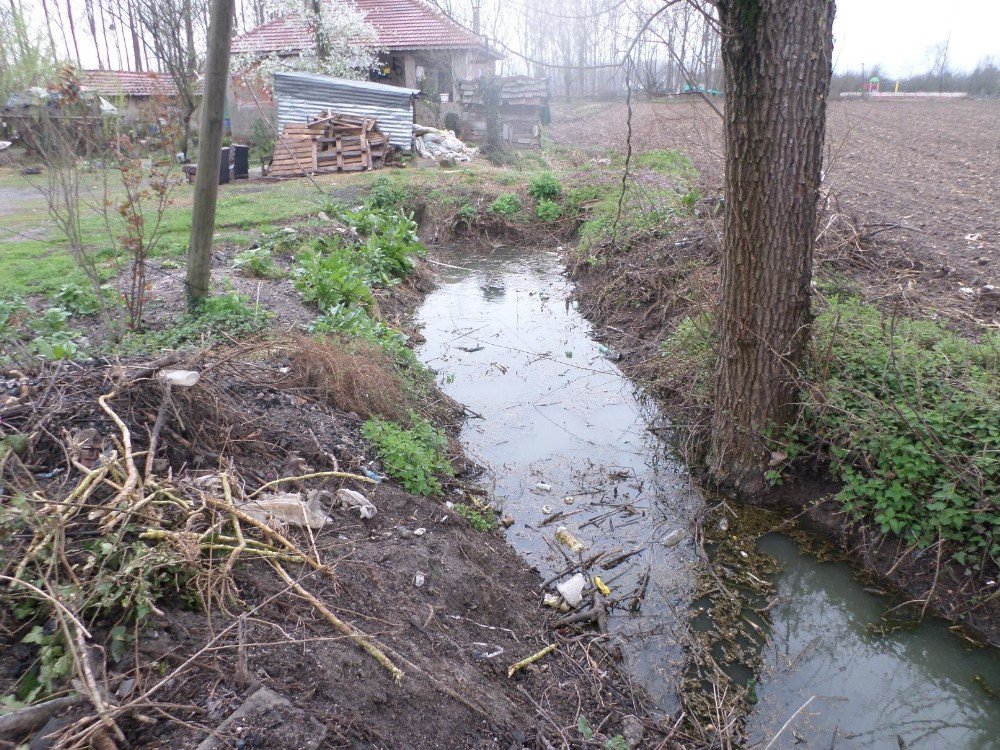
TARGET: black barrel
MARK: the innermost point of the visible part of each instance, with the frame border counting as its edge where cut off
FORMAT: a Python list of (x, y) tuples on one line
[(224, 166), (241, 161)]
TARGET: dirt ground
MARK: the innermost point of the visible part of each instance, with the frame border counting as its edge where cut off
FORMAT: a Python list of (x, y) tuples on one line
[(918, 182)]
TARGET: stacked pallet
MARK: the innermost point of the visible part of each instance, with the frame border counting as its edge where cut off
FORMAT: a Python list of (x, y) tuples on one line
[(330, 142)]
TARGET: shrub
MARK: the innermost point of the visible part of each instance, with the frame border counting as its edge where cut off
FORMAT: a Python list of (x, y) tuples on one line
[(414, 456), (544, 185), (547, 210), (507, 205), (384, 194), (258, 262), (910, 415)]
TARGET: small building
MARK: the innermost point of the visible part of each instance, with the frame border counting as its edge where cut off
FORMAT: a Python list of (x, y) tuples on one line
[(420, 48), (141, 98), (523, 109)]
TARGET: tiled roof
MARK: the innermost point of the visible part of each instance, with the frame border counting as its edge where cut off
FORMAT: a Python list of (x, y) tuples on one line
[(127, 83), (399, 24)]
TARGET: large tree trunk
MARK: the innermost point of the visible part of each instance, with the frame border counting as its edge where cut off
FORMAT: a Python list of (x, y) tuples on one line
[(777, 56), (206, 186)]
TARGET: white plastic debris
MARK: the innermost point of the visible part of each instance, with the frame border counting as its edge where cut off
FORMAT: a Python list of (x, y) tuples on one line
[(572, 589), (180, 378), (349, 499), (419, 532), (673, 537), (432, 143), (287, 508), (418, 580), (543, 487), (552, 600)]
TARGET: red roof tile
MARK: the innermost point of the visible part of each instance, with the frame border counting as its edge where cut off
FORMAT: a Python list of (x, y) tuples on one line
[(127, 83), (399, 24)]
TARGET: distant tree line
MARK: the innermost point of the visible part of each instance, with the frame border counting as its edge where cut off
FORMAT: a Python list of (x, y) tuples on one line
[(982, 82)]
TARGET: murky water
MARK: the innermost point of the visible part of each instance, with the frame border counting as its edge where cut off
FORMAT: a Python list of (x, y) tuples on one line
[(562, 431), (919, 688)]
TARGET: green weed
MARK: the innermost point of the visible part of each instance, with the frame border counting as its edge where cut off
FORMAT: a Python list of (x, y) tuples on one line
[(544, 185), (507, 205), (414, 456), (482, 521), (547, 210), (258, 262)]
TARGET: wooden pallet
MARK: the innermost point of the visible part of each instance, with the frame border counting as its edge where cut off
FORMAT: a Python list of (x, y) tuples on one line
[(329, 142)]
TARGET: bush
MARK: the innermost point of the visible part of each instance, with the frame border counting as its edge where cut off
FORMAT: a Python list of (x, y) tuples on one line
[(910, 415), (480, 520), (547, 210), (257, 262), (414, 456), (78, 299), (507, 205), (544, 186), (386, 195)]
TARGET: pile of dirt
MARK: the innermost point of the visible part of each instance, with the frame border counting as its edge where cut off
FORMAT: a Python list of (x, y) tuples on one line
[(413, 589)]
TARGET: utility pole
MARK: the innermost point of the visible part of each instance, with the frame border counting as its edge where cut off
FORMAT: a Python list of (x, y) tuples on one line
[(206, 186)]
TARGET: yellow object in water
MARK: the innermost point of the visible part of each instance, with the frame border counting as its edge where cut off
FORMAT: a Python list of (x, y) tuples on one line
[(602, 586), (568, 540)]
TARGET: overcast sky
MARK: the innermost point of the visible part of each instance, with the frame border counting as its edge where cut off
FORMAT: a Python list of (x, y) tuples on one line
[(898, 33)]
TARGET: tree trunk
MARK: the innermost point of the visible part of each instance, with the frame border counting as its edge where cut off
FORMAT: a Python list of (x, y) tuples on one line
[(206, 186), (777, 56), (72, 31), (133, 31)]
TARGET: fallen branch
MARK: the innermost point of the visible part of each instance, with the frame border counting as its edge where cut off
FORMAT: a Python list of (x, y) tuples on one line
[(20, 721), (349, 630)]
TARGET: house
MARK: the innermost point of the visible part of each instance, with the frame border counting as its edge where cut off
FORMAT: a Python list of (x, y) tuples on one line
[(141, 98), (421, 48)]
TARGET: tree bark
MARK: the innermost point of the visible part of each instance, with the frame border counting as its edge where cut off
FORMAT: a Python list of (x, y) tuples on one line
[(777, 58), (206, 187)]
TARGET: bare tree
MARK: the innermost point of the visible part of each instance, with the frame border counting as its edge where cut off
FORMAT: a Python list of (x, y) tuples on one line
[(777, 56), (170, 33)]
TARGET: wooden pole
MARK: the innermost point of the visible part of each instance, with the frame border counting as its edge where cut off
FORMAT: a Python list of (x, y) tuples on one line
[(206, 186)]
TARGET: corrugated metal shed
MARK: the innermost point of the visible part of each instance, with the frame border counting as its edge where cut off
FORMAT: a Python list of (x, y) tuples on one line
[(300, 96)]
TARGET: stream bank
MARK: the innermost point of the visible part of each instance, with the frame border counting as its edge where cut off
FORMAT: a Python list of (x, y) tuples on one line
[(567, 440)]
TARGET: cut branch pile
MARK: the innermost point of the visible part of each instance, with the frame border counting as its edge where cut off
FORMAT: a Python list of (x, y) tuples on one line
[(329, 142), (126, 521)]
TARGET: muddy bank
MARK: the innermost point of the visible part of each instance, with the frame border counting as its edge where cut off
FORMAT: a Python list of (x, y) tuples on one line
[(637, 299)]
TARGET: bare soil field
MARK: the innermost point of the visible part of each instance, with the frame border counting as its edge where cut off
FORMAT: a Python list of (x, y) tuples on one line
[(912, 190)]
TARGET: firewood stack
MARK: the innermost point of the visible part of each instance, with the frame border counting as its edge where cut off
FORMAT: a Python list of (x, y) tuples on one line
[(330, 142)]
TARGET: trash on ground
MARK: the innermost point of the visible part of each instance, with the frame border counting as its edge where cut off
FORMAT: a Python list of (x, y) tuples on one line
[(572, 589), (564, 537), (287, 508), (531, 659), (180, 378), (507, 521), (543, 487), (349, 499), (673, 537), (602, 586), (419, 532), (418, 580), (432, 143)]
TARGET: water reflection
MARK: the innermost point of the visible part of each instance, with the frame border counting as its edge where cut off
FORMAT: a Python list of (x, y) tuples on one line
[(562, 431), (914, 688)]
